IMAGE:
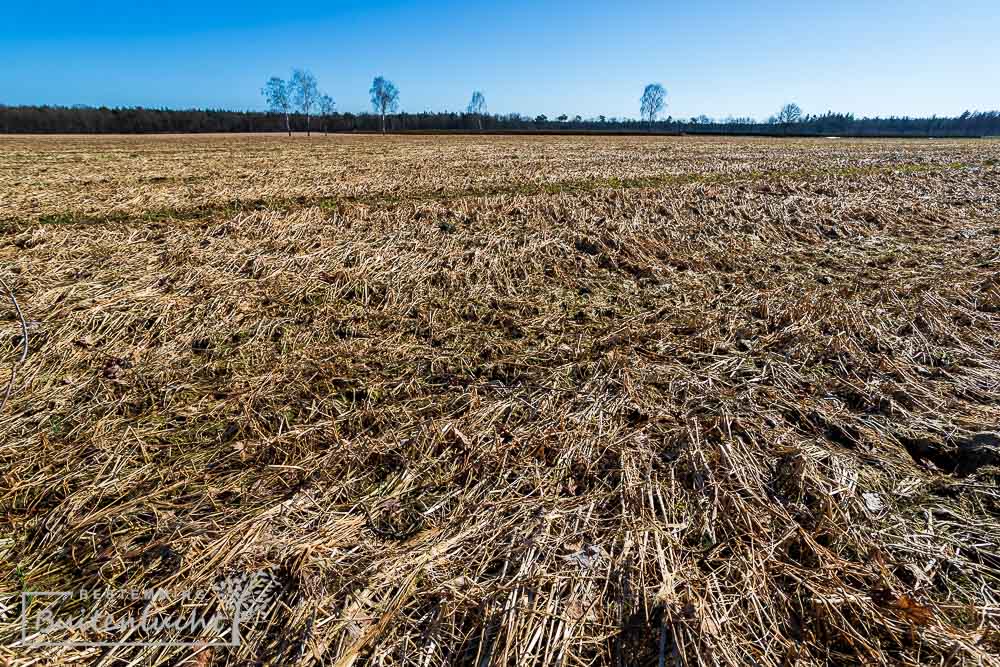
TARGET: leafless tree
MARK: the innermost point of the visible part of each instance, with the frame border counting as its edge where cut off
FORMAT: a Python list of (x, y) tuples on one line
[(385, 97), (478, 106), (275, 91), (652, 102), (790, 113), (326, 107), (305, 93)]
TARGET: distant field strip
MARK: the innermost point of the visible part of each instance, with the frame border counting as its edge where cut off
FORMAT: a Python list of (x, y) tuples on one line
[(288, 204)]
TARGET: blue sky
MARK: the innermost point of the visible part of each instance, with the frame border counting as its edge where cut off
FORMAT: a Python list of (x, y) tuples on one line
[(715, 57)]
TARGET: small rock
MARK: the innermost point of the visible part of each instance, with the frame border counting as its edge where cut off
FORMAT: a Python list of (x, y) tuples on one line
[(587, 557), (873, 502)]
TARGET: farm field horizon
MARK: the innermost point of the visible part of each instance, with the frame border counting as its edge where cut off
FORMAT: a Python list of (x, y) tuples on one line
[(470, 399)]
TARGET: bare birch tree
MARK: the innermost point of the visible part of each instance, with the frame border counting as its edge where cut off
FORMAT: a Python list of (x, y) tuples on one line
[(304, 93), (385, 97), (326, 107), (478, 106), (275, 91)]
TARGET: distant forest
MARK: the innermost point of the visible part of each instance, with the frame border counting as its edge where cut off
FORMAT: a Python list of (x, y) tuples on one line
[(136, 120)]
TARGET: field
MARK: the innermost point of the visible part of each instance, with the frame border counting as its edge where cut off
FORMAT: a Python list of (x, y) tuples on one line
[(509, 400)]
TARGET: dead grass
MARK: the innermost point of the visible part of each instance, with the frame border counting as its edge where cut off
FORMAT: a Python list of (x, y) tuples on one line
[(512, 400)]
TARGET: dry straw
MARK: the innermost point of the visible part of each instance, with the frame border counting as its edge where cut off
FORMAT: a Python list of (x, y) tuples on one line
[(512, 400), (24, 343)]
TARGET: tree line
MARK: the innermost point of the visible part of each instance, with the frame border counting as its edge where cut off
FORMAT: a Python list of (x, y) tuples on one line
[(136, 120), (297, 104)]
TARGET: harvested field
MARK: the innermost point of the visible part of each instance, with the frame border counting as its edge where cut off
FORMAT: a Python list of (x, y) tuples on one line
[(509, 400)]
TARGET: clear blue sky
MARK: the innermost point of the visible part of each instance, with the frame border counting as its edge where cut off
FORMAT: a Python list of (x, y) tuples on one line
[(717, 57)]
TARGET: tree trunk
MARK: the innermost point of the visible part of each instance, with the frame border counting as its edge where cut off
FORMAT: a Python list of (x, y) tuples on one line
[(308, 134), (288, 124), (383, 122)]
